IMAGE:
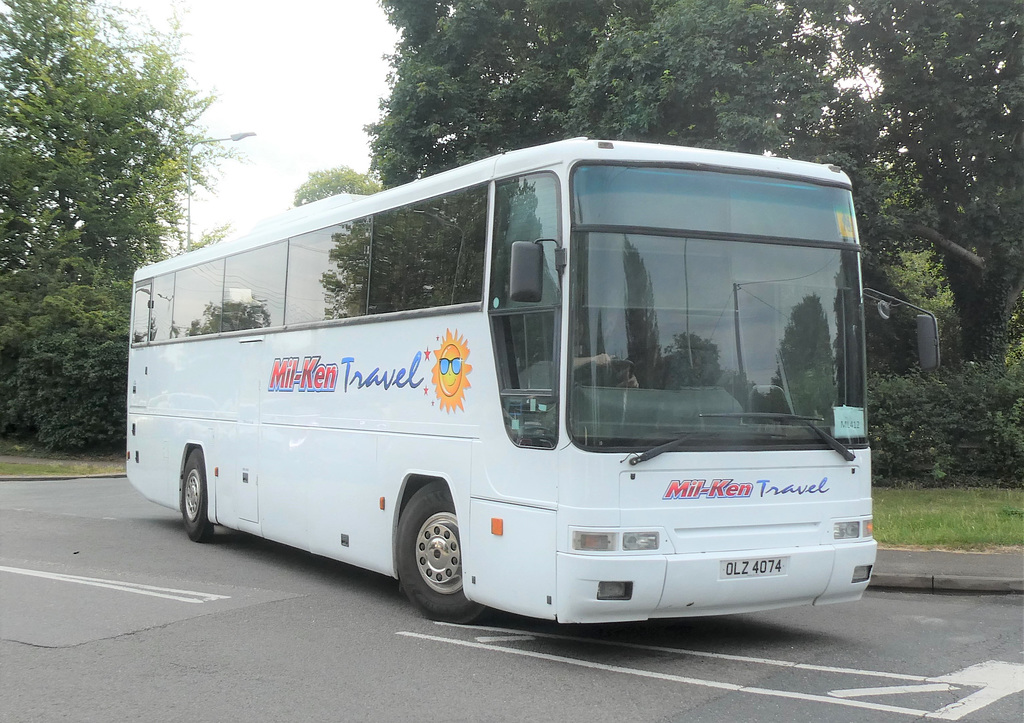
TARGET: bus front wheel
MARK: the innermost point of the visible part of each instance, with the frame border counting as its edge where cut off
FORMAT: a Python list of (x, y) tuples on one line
[(194, 499), (430, 557)]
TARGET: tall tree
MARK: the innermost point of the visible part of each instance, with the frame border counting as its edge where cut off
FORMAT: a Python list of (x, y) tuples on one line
[(943, 83), (95, 111), (471, 78), (921, 101), (323, 184), (741, 75), (94, 115)]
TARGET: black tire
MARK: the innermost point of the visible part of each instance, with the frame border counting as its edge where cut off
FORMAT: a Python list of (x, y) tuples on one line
[(430, 557), (194, 499)]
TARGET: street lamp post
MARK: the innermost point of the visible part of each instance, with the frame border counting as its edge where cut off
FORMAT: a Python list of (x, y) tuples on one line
[(232, 137)]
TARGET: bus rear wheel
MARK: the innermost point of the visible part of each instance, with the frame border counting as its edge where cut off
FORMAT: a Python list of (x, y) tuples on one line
[(430, 557), (195, 500)]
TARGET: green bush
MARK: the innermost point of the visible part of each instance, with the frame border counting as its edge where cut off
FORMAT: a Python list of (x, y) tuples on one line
[(957, 427), (64, 357), (69, 389)]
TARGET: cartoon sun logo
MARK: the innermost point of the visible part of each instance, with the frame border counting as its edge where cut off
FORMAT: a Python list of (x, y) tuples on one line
[(451, 371)]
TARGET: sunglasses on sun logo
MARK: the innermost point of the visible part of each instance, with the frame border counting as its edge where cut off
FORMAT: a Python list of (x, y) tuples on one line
[(454, 364)]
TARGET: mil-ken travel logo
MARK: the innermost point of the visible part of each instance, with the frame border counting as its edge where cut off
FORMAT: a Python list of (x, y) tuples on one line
[(449, 375)]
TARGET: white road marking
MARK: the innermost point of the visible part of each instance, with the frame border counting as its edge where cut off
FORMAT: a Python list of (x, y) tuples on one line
[(892, 690), (673, 678), (189, 596), (504, 638), (999, 679), (703, 654), (995, 679)]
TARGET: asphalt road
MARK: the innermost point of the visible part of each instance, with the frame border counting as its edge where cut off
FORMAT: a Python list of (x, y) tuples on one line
[(108, 612)]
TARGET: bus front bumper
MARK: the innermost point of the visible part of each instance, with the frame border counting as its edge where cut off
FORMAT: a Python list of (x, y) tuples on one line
[(639, 587)]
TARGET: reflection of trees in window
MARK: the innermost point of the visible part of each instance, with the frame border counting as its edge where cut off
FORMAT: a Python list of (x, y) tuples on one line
[(691, 361), (642, 336), (344, 282), (238, 315), (198, 295), (160, 314), (847, 346), (518, 216), (253, 290), (430, 254), (142, 326), (230, 316), (806, 368), (208, 324)]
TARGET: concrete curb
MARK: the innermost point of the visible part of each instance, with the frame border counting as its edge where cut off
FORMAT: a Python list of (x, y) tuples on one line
[(946, 583)]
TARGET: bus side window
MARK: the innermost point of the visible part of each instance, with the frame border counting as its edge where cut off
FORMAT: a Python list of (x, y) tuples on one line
[(327, 273), (254, 288), (430, 254), (199, 294), (161, 308), (526, 333), (143, 303)]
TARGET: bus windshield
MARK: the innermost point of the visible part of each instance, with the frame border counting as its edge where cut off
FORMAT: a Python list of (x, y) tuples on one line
[(717, 329)]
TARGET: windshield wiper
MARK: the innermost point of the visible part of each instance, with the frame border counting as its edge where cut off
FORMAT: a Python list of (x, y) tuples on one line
[(653, 452), (808, 422)]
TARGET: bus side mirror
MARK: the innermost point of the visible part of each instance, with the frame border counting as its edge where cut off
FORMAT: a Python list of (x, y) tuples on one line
[(928, 342), (526, 272), (927, 327)]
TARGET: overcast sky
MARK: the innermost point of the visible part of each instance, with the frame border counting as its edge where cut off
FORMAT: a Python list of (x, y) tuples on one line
[(304, 75)]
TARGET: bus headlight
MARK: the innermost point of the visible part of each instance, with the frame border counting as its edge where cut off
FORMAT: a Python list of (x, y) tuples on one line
[(640, 541), (594, 541), (846, 530)]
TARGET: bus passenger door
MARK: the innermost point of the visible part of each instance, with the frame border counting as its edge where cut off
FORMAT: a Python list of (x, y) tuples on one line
[(247, 447)]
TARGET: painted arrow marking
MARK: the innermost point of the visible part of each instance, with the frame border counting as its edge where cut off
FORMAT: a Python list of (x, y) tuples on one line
[(997, 680)]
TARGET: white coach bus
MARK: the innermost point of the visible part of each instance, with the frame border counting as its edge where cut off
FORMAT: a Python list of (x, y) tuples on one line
[(590, 381)]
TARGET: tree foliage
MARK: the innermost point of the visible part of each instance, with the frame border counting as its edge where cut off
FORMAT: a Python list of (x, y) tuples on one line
[(943, 166), (94, 111), (324, 184), (921, 101), (742, 76), (472, 78)]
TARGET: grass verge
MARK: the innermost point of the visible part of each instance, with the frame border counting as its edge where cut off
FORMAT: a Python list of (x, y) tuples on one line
[(58, 468), (951, 519)]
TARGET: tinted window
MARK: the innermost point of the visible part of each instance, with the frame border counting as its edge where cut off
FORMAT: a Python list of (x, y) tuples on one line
[(254, 288), (163, 302), (526, 334), (327, 273), (140, 326), (429, 254), (673, 198), (525, 209), (198, 297)]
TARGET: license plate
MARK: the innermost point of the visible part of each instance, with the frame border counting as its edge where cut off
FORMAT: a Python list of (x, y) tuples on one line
[(756, 567)]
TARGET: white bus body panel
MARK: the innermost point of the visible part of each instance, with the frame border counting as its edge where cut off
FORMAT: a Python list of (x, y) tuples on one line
[(767, 505)]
